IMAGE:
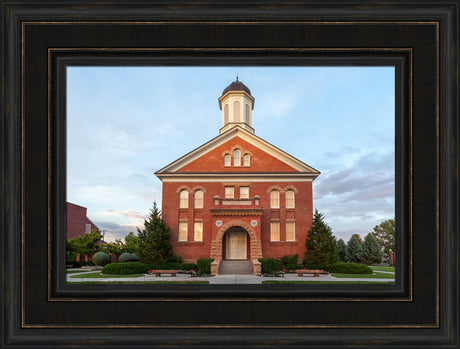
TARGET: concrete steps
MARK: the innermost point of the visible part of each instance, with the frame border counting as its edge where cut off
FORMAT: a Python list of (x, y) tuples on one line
[(237, 267)]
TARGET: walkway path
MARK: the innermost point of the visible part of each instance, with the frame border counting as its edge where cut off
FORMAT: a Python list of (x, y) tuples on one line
[(225, 279)]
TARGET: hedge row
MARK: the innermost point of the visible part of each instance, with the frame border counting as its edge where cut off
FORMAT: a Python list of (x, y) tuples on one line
[(142, 268)]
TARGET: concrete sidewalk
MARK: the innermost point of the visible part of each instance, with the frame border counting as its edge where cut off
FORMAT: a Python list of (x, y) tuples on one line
[(224, 279)]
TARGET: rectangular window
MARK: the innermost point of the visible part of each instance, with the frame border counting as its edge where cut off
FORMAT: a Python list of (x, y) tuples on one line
[(290, 231), (244, 192), (229, 192), (183, 230), (198, 231), (275, 231)]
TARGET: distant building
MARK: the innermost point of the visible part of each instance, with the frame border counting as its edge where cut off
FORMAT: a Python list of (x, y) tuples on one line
[(77, 221), (237, 197)]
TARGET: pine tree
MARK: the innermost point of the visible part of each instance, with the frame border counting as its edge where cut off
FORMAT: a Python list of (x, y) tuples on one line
[(341, 249), (154, 246), (353, 250), (370, 250), (320, 242)]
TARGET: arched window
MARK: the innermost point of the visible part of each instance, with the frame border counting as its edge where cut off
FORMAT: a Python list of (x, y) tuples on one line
[(199, 199), (246, 113), (183, 199), (290, 199), (227, 160), (275, 199), (236, 157), (225, 114), (246, 160), (236, 111)]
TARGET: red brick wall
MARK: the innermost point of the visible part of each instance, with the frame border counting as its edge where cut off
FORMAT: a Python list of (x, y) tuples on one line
[(214, 160), (77, 220), (191, 250)]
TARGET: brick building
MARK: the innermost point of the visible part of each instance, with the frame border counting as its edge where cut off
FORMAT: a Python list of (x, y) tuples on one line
[(77, 221), (237, 197)]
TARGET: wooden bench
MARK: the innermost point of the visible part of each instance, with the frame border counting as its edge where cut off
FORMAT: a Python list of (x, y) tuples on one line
[(315, 273), (159, 272)]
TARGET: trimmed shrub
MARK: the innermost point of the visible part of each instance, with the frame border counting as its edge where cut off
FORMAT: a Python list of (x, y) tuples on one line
[(189, 266), (128, 257), (101, 258), (289, 262), (269, 265), (312, 266), (348, 268), (127, 268), (204, 265)]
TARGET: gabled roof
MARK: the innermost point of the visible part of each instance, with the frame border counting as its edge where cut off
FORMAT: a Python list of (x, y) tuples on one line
[(237, 131)]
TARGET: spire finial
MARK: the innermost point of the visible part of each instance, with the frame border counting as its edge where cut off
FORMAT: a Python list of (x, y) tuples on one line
[(236, 76)]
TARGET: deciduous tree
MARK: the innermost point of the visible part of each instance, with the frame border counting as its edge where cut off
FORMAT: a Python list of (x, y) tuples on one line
[(385, 235)]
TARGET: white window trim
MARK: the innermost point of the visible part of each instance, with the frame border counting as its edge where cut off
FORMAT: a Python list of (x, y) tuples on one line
[(183, 200), (202, 199), (248, 158), (186, 231), (237, 157), (195, 231), (232, 193), (272, 193), (293, 232), (241, 196), (293, 198), (271, 231)]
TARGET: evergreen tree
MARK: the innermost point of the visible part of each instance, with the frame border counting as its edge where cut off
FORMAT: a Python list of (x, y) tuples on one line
[(320, 242), (341, 249), (353, 249), (370, 250), (154, 246)]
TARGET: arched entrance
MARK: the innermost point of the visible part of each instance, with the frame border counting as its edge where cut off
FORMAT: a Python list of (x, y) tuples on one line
[(236, 244)]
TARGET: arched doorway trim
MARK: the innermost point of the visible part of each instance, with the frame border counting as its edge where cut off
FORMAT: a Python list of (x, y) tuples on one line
[(255, 250)]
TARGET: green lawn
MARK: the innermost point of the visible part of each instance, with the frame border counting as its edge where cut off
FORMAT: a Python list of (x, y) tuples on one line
[(327, 282), (376, 275), (140, 282), (99, 275), (383, 268), (77, 271)]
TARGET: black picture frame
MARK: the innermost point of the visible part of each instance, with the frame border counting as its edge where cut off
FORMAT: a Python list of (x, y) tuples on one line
[(40, 38)]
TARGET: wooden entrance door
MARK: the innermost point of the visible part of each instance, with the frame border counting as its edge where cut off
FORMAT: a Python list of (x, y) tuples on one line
[(236, 242)]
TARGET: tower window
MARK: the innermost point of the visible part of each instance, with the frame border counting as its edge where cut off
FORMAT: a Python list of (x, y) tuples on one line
[(236, 111), (227, 160), (225, 114), (275, 231), (199, 199), (246, 160), (236, 157), (275, 199), (290, 199), (183, 202)]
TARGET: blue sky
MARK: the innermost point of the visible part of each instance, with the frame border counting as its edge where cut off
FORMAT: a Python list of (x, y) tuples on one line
[(125, 123)]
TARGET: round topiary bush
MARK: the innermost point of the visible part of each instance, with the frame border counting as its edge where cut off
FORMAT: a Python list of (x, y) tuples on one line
[(128, 257), (101, 258)]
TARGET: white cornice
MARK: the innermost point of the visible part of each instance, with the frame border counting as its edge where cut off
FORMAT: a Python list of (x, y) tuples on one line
[(237, 177), (247, 136)]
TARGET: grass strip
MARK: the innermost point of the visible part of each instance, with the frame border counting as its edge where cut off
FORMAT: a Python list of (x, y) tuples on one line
[(327, 282), (138, 282), (376, 275), (378, 268), (77, 271), (106, 276)]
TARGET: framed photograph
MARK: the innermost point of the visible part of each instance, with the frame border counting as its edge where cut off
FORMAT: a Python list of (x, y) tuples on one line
[(50, 134)]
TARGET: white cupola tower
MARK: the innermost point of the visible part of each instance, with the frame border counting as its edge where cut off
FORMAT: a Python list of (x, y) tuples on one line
[(236, 104)]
